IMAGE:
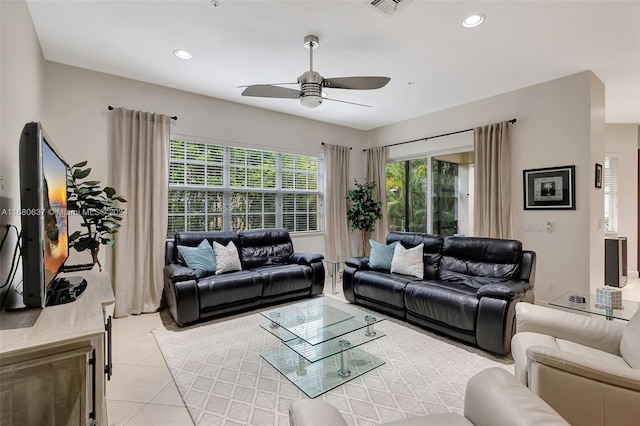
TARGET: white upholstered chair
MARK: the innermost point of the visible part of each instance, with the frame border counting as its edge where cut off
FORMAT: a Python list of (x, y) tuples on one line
[(493, 398), (586, 368)]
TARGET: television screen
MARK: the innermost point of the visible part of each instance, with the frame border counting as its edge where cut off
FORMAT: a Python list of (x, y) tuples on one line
[(54, 202)]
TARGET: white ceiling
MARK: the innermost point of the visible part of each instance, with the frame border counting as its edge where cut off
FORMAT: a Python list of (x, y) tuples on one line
[(434, 63)]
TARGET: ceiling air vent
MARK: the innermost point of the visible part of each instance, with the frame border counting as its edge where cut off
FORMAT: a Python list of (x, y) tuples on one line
[(388, 7)]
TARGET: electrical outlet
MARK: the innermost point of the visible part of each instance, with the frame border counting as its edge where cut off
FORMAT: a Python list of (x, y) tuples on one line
[(340, 276), (550, 286)]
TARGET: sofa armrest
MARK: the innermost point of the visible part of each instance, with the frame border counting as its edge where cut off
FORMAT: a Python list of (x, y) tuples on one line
[(181, 295), (589, 331), (311, 412), (176, 273), (305, 258), (361, 263), (495, 397), (585, 367), (507, 290)]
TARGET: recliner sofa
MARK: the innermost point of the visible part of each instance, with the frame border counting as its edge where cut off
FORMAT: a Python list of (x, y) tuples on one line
[(271, 272), (469, 290)]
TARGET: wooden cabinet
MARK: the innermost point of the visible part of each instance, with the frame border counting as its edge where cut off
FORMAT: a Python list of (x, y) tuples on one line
[(52, 360)]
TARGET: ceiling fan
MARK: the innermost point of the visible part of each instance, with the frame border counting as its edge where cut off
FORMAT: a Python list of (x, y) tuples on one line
[(311, 84)]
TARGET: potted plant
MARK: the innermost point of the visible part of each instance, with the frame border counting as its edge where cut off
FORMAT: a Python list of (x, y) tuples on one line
[(364, 211), (95, 205)]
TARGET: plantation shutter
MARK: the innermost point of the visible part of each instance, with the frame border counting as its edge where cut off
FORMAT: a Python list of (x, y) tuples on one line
[(610, 185)]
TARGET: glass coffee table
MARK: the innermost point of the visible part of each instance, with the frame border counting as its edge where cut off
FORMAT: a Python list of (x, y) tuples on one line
[(322, 341), (585, 302)]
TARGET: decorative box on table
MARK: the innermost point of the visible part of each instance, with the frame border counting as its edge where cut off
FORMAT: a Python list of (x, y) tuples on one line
[(609, 297)]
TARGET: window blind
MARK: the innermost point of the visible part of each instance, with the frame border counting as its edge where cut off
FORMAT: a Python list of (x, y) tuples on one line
[(214, 187)]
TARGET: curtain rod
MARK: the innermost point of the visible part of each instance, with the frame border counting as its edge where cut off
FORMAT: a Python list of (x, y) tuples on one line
[(513, 120), (110, 108), (323, 144)]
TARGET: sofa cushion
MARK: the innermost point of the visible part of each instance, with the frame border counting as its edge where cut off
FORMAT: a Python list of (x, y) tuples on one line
[(227, 259), (630, 342), (262, 247), (450, 303), (200, 258), (479, 258), (408, 261), (381, 255), (431, 252), (231, 288), (281, 279), (382, 287)]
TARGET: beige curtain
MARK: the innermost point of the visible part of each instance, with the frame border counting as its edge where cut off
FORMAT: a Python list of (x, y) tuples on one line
[(336, 235), (492, 182), (140, 170), (377, 172)]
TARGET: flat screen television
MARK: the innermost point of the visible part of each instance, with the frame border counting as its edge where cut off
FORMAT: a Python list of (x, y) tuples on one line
[(43, 202)]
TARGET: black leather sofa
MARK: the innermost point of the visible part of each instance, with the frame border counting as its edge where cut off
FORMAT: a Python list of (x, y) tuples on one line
[(271, 272), (469, 290)]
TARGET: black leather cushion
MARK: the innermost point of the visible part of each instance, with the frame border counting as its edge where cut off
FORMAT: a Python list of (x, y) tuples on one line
[(430, 253), (479, 261), (265, 247), (192, 239), (229, 288), (382, 286), (285, 279), (450, 303)]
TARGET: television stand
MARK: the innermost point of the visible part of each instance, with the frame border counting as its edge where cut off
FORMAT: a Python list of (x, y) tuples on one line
[(65, 290)]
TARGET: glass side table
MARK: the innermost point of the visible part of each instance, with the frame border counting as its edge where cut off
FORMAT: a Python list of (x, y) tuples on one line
[(335, 266), (589, 306)]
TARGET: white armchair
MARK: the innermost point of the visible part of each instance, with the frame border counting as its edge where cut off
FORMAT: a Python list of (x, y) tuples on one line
[(586, 368)]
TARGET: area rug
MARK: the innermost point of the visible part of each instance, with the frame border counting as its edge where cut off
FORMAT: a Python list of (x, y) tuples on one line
[(223, 380)]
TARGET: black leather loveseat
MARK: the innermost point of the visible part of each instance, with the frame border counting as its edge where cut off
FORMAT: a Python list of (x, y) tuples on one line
[(469, 290), (271, 272)]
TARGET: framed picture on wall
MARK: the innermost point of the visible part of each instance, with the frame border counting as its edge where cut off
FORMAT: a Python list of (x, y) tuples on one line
[(598, 175), (551, 188)]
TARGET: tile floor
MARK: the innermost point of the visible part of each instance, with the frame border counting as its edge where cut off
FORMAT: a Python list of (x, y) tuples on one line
[(142, 392)]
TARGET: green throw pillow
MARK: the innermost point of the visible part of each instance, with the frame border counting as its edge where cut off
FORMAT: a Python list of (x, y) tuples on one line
[(201, 258), (381, 255)]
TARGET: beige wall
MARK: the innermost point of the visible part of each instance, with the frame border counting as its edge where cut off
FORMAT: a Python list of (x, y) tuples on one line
[(76, 117), (621, 140), (554, 128), (21, 93)]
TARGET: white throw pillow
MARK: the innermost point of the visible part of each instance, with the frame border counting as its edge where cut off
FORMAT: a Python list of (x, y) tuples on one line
[(227, 259), (406, 261)]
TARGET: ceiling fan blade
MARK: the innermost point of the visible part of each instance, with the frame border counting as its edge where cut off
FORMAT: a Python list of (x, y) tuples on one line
[(270, 84), (268, 91), (347, 102), (356, 83)]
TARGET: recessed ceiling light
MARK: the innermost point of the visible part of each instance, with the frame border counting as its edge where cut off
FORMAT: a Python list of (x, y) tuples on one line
[(473, 21), (182, 54)]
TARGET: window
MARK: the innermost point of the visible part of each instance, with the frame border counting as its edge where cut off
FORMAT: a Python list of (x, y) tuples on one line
[(610, 185), (213, 188)]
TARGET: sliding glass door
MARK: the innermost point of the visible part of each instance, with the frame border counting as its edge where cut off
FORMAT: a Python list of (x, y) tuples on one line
[(431, 194)]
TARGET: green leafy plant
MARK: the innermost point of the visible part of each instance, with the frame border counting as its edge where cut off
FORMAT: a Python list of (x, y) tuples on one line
[(100, 217), (364, 211)]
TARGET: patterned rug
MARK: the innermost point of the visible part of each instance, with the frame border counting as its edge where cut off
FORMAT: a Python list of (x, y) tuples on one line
[(224, 381)]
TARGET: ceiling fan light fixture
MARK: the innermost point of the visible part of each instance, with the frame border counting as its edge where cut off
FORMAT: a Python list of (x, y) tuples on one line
[(473, 20), (182, 54), (311, 101)]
